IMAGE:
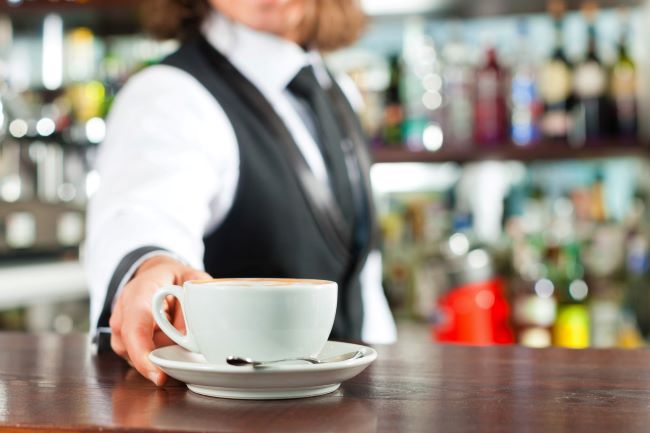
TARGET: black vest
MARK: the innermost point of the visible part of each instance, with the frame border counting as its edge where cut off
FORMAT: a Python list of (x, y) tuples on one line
[(281, 223)]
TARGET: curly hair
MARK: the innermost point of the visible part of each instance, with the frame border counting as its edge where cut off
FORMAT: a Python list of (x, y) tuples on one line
[(333, 24)]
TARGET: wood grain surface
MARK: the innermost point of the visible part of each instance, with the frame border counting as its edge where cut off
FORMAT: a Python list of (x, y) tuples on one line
[(54, 383)]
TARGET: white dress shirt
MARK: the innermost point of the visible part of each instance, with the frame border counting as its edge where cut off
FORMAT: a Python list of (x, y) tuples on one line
[(169, 165)]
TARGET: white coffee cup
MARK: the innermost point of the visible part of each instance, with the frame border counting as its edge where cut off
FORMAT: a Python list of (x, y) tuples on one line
[(257, 318)]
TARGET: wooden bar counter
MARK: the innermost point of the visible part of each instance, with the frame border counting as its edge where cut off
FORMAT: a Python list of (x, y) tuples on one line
[(54, 383)]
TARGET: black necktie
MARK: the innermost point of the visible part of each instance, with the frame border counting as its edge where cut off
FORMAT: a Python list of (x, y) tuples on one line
[(305, 87), (330, 138)]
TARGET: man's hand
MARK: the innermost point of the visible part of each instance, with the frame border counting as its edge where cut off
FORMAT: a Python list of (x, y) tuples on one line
[(134, 331)]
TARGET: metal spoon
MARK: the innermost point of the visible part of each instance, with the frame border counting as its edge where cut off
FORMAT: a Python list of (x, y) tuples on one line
[(239, 361)]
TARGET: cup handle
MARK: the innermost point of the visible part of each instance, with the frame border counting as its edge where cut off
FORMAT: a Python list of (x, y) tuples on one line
[(186, 341)]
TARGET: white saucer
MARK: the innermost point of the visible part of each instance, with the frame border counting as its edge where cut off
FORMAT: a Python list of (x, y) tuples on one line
[(278, 382)]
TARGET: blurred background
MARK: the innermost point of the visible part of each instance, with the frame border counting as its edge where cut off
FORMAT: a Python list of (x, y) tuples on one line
[(509, 142)]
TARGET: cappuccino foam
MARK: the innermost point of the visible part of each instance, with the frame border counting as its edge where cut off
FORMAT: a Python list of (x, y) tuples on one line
[(266, 282)]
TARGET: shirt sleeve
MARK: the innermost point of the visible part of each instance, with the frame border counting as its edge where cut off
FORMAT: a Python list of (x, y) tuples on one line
[(378, 324), (168, 170)]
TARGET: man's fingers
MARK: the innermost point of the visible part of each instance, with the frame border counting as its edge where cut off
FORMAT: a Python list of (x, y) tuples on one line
[(175, 317), (179, 319), (138, 337), (194, 274), (135, 333), (161, 339), (117, 344), (115, 322)]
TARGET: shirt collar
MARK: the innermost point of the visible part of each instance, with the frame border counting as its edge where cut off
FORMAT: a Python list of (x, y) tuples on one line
[(268, 61)]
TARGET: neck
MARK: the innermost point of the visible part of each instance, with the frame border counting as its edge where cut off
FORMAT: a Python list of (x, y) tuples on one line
[(293, 36), (302, 29)]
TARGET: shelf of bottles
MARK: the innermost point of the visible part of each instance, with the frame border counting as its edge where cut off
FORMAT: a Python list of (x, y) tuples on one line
[(528, 224), (57, 83), (565, 244), (555, 86)]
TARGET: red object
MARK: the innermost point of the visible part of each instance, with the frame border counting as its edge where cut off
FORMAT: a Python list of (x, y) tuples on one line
[(490, 114), (475, 313)]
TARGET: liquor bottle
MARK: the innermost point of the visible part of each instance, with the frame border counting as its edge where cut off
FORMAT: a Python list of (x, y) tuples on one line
[(534, 304), (572, 326), (112, 74), (624, 87), (421, 89), (555, 82), (534, 310), (524, 99), (605, 313), (598, 206), (458, 78), (591, 114), (81, 54), (490, 118), (393, 110), (637, 295)]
